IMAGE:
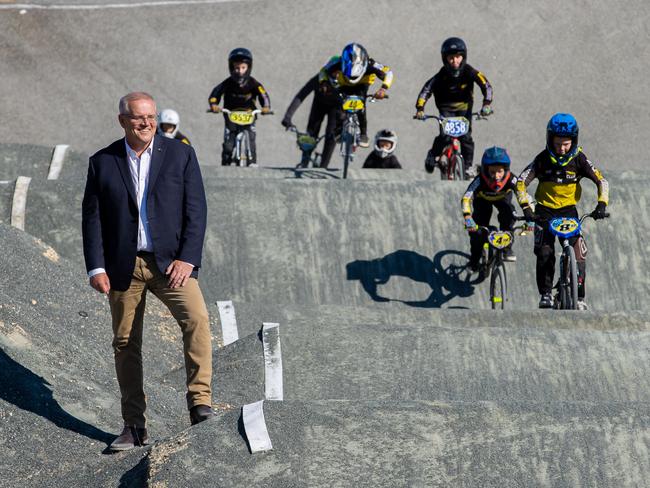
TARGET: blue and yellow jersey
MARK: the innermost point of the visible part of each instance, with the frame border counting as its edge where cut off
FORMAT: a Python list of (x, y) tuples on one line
[(332, 72), (559, 186), (479, 188)]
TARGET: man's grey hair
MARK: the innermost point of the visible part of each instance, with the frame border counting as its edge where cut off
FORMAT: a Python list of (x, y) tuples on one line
[(132, 97)]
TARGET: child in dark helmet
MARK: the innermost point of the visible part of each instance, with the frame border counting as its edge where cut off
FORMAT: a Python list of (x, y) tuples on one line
[(453, 91), (239, 92), (559, 169), (382, 156), (493, 187)]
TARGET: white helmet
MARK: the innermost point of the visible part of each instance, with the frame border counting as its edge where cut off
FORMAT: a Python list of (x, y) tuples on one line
[(385, 135), (168, 116)]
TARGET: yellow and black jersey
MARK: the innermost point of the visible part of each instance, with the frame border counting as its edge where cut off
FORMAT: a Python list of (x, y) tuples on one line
[(236, 96), (181, 137), (479, 188), (332, 72), (559, 186), (454, 94)]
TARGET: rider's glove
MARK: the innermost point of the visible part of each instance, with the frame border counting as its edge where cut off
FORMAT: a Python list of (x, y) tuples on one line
[(380, 94), (419, 115), (470, 225), (600, 211), (266, 110), (215, 108), (286, 123), (486, 110)]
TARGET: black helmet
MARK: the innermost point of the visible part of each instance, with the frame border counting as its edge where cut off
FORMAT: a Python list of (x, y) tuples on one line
[(453, 45), (239, 55)]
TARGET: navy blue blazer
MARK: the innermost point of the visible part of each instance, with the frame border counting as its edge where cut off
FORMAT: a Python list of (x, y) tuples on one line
[(176, 209)]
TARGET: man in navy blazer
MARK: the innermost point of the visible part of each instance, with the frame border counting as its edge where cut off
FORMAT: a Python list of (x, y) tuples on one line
[(144, 217)]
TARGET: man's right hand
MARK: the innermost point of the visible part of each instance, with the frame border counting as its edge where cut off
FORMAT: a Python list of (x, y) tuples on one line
[(286, 123), (215, 108), (101, 283), (419, 115)]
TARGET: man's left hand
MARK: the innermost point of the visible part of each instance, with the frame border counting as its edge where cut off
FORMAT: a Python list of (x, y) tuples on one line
[(178, 272)]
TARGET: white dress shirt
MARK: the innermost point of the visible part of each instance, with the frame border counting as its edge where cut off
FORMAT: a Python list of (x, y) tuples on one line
[(139, 169)]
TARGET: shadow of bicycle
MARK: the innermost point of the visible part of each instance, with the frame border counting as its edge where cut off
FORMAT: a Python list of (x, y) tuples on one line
[(446, 274)]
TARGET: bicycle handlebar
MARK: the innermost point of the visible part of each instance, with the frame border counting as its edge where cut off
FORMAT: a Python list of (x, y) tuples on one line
[(439, 118), (227, 111)]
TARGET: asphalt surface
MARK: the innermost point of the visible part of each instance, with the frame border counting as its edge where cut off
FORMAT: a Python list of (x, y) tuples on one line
[(66, 69)]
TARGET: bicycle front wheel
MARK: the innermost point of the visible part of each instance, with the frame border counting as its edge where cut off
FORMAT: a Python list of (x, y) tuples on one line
[(573, 279), (456, 164), (498, 287)]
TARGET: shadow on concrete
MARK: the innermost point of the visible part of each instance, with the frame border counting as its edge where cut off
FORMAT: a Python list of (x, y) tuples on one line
[(28, 391), (447, 278)]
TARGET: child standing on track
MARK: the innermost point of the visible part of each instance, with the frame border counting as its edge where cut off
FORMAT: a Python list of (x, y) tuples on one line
[(239, 92), (382, 156), (559, 169)]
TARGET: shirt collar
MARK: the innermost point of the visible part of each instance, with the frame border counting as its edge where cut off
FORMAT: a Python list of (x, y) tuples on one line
[(133, 154)]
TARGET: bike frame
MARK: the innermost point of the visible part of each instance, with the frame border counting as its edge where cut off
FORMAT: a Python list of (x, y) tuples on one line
[(453, 169)]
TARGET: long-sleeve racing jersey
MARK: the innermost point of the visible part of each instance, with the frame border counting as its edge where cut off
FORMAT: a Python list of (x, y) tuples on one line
[(454, 94), (559, 186)]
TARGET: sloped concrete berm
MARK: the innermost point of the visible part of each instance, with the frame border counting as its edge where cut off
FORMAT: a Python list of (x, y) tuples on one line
[(360, 242)]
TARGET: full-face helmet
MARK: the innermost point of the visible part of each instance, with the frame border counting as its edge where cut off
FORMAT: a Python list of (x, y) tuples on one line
[(562, 125), (240, 55), (387, 136), (453, 45), (354, 62), (495, 156), (168, 117)]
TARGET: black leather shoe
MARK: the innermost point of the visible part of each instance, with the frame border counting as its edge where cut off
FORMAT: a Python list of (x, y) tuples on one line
[(130, 438), (199, 413)]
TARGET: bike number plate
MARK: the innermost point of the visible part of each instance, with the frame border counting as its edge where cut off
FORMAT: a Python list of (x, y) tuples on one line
[(500, 239), (565, 227), (241, 118), (455, 126), (353, 104)]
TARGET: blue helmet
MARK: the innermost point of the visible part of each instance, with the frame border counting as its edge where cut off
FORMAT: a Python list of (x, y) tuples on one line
[(354, 62), (562, 125), (495, 155)]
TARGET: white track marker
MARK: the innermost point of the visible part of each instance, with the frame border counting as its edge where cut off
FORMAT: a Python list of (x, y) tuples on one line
[(273, 389), (255, 427), (20, 202), (159, 3), (56, 164), (228, 322)]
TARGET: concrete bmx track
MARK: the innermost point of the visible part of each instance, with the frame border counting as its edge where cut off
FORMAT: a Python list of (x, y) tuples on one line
[(385, 368)]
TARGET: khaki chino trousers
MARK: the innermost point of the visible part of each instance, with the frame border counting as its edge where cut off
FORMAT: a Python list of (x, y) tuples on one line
[(187, 306)]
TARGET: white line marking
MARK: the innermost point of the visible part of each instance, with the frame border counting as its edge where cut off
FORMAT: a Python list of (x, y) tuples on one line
[(255, 427), (272, 361), (56, 164), (20, 202), (228, 322), (161, 3)]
